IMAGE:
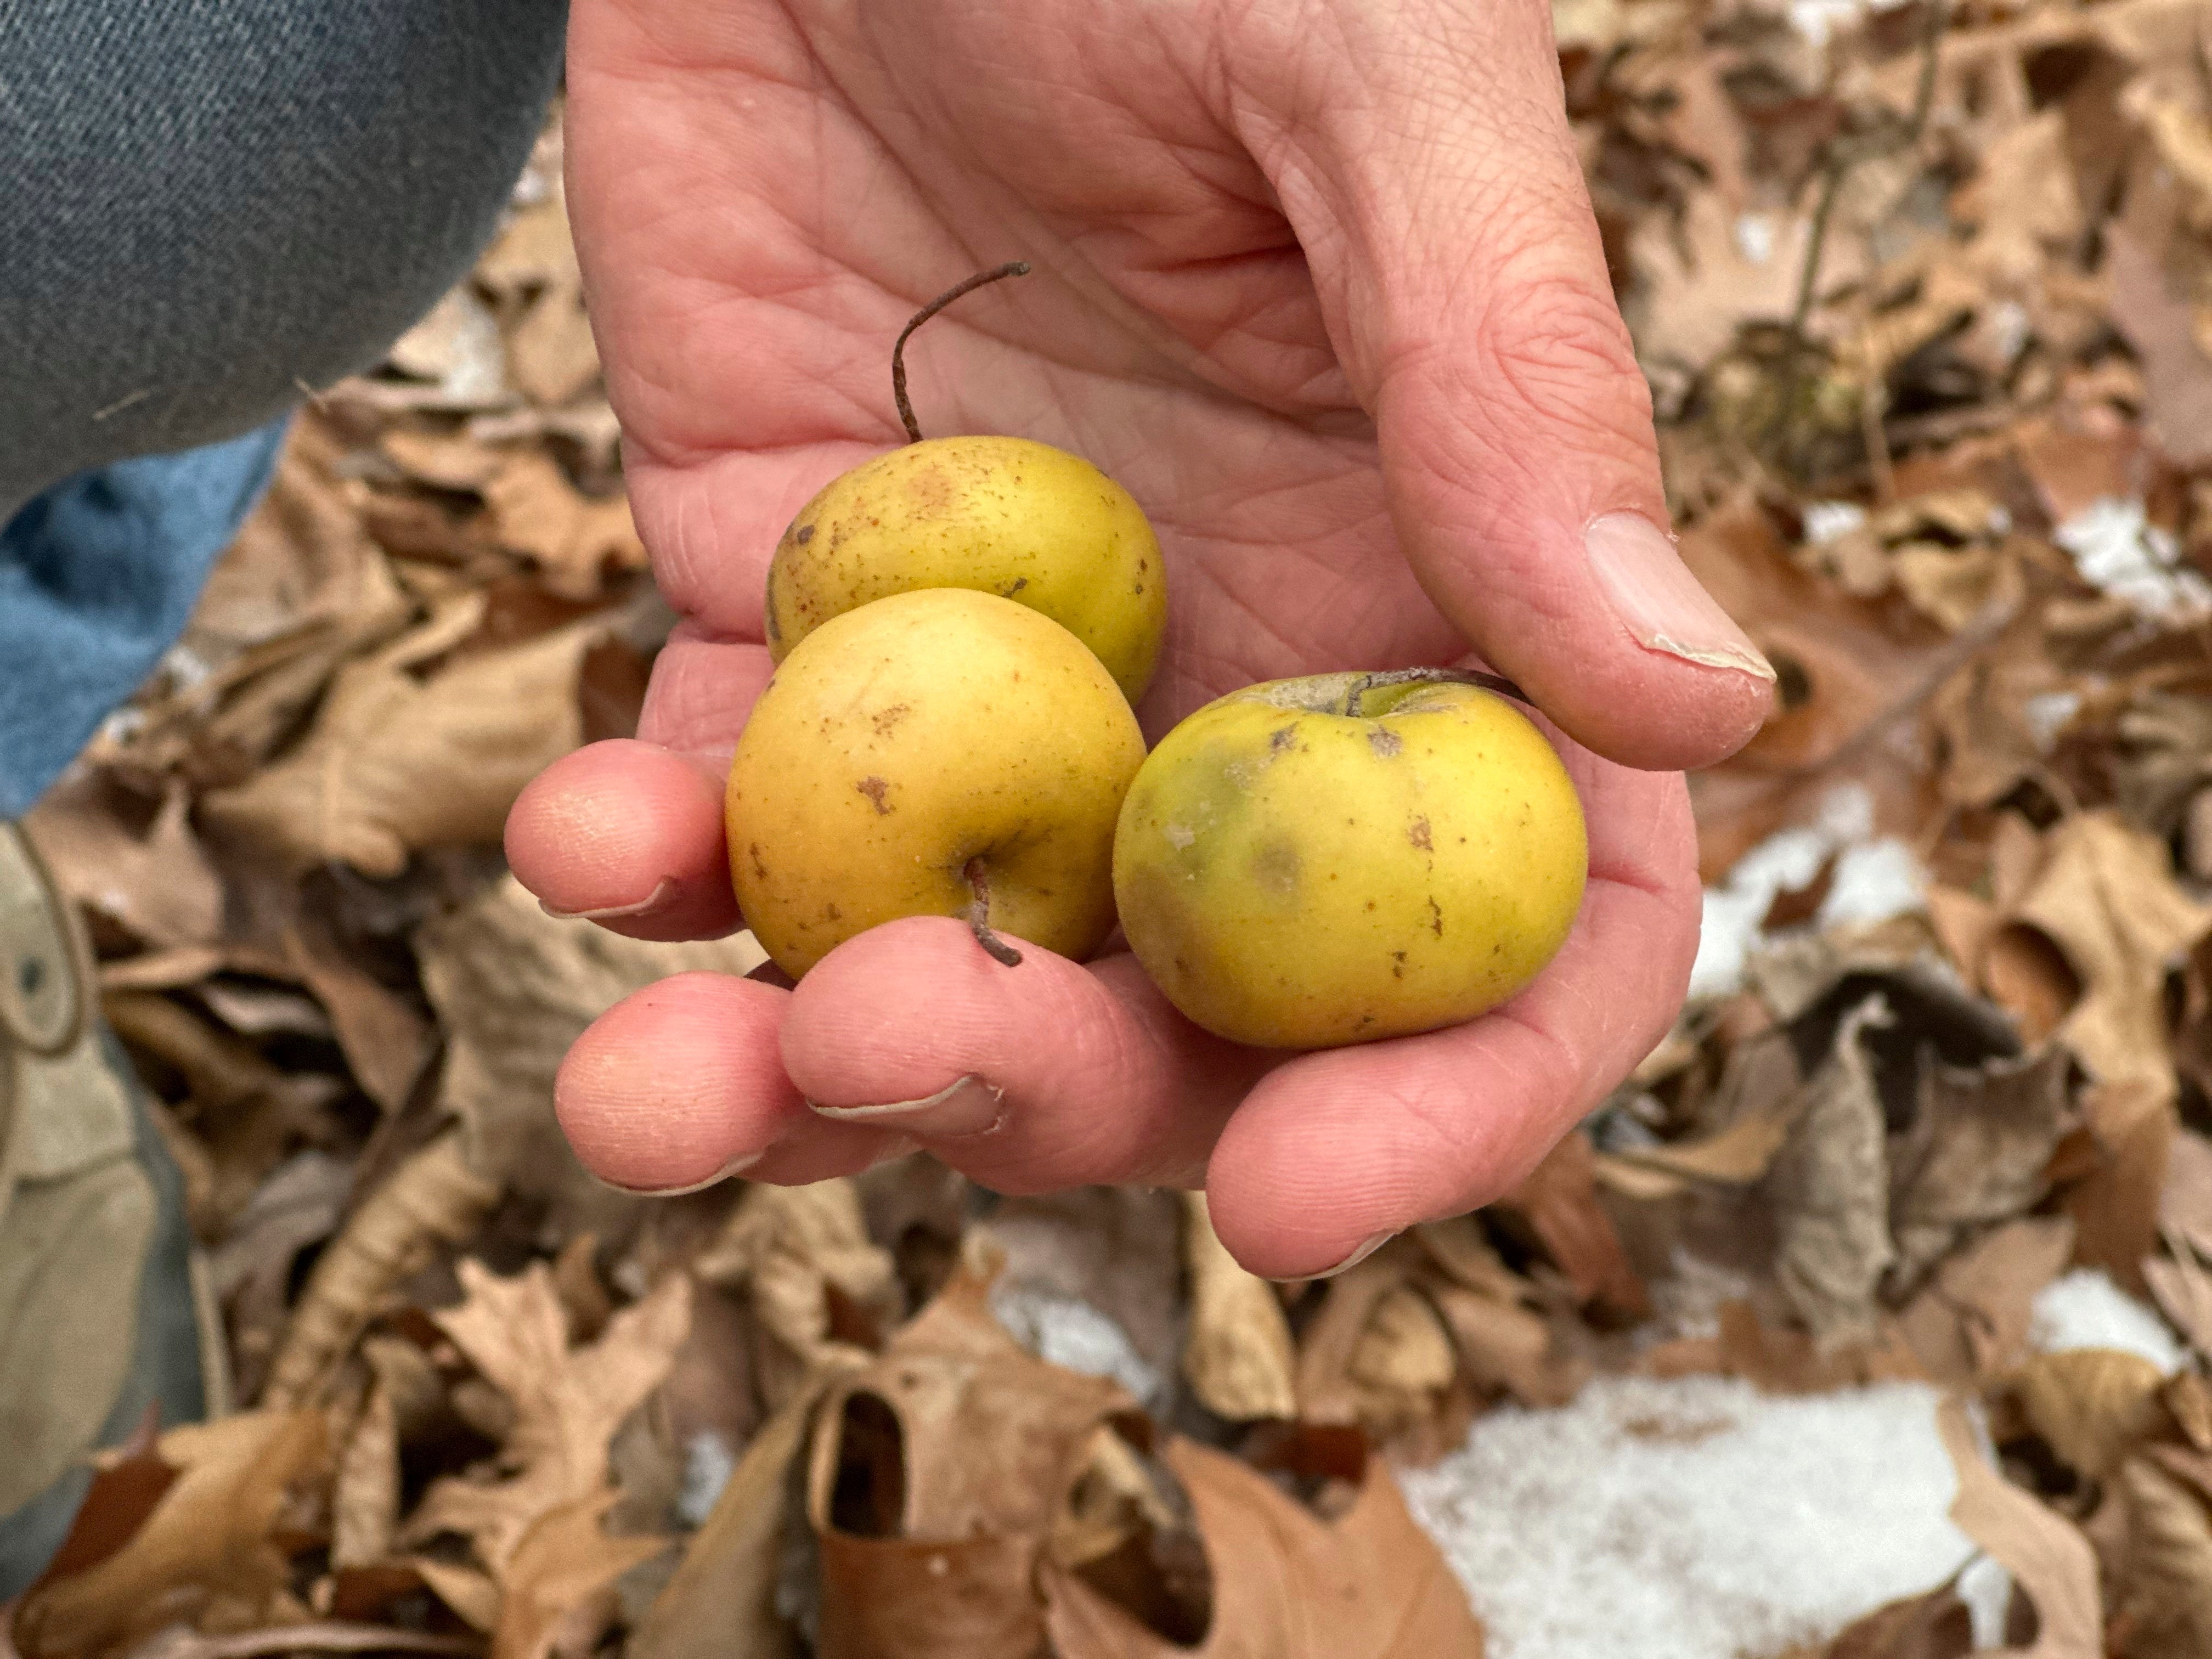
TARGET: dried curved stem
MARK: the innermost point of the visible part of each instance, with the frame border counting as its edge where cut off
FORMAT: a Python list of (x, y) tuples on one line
[(979, 915), (981, 278)]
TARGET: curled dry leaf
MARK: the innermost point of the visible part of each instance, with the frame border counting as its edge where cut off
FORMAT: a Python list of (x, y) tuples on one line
[(402, 757), (2049, 1558), (2107, 898), (1367, 1584), (1237, 1356), (720, 1604), (160, 885), (2166, 1597), (934, 1481), (815, 1282), (433, 1197), (1829, 1189), (575, 541), (567, 1401)]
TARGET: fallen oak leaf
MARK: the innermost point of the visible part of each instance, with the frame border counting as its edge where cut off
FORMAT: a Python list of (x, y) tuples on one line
[(209, 1536), (568, 1401), (561, 1565)]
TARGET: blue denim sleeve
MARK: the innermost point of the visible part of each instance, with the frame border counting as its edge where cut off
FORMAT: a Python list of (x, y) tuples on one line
[(98, 576)]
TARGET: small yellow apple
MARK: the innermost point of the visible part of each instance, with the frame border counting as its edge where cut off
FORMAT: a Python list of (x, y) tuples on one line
[(1313, 862), (1008, 516), (939, 753)]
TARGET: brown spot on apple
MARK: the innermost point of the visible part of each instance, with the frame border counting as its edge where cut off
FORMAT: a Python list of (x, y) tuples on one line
[(875, 789)]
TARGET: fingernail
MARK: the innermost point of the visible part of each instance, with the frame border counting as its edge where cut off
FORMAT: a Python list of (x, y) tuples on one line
[(735, 1166), (965, 1106), (1660, 602), (1365, 1249), (659, 895)]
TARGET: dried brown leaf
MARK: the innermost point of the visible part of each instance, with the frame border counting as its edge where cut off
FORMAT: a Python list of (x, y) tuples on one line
[(1287, 1584), (720, 1604), (513, 988), (2107, 898), (1829, 1189), (1560, 1202), (576, 542), (397, 762), (158, 885), (431, 1198), (935, 1477), (2050, 1561), (209, 1537), (555, 1590), (2166, 1596), (798, 1253), (1970, 1320), (2095, 1405), (567, 1401), (1975, 1154), (1237, 1356)]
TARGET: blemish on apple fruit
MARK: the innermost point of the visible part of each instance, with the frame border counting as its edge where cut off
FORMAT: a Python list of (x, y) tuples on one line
[(875, 789), (804, 534), (885, 719), (1417, 834), (1276, 866), (1385, 742), (1436, 917)]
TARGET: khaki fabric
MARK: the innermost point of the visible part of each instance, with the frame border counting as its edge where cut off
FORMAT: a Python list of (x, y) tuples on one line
[(77, 1211)]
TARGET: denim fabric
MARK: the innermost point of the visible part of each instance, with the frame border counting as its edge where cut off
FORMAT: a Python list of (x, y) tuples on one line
[(97, 577), (206, 207)]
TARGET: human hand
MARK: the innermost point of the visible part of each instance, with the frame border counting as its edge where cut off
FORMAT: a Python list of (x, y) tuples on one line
[(1319, 283)]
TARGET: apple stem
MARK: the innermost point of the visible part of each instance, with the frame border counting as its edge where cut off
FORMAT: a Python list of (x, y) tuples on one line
[(1375, 682), (981, 278), (979, 915)]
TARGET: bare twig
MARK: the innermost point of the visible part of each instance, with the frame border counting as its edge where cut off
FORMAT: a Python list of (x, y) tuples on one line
[(1846, 153)]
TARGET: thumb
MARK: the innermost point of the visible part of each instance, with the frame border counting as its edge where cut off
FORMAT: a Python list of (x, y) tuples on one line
[(1439, 198)]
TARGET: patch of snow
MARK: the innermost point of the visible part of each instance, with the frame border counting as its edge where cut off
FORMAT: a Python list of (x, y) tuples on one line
[(1692, 1518), (2085, 1310), (1817, 19), (1828, 521), (1755, 237), (2049, 713), (1070, 1332), (708, 1463), (2119, 551), (1874, 881), (1875, 878)]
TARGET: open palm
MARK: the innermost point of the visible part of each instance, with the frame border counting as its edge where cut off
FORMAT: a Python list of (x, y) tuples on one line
[(1316, 281)]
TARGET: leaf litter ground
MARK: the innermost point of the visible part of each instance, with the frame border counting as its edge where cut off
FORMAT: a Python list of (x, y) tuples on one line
[(1869, 1319)]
